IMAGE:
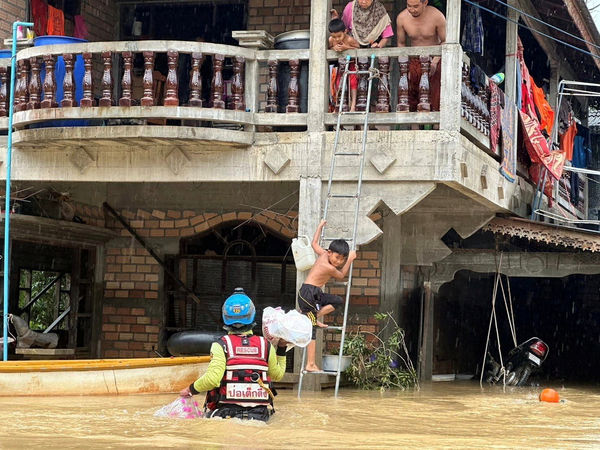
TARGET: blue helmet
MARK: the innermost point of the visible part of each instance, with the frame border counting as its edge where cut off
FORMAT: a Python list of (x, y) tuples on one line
[(238, 309)]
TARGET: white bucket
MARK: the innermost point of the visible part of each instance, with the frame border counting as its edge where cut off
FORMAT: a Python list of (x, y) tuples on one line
[(304, 256), (330, 362)]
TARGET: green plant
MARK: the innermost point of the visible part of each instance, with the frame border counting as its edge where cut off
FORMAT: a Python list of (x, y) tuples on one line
[(382, 363)]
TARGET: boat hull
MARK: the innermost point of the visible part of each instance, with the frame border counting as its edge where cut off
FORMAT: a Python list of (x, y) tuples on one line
[(100, 377)]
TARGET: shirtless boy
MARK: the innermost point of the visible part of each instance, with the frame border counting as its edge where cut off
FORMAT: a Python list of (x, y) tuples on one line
[(313, 302), (425, 26)]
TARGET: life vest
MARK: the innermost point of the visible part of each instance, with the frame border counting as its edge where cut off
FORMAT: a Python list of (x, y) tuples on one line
[(247, 361)]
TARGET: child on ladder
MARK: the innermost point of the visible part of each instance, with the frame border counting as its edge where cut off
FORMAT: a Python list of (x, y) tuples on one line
[(313, 302)]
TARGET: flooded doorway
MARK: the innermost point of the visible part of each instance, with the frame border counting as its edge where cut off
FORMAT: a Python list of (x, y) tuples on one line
[(564, 312)]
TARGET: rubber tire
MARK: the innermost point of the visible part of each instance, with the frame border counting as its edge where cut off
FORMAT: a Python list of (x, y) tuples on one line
[(524, 375)]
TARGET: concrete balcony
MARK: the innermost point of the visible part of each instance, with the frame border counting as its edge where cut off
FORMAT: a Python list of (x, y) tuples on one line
[(241, 129)]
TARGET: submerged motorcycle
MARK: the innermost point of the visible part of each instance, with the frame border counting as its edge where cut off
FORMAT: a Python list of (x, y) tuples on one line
[(519, 364)]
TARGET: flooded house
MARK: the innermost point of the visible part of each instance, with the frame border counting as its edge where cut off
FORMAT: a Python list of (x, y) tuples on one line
[(167, 152)]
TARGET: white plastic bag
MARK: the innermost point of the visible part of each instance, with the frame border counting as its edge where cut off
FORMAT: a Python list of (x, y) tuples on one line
[(180, 408), (292, 326)]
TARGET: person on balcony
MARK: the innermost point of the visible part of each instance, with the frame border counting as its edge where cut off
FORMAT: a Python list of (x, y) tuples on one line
[(424, 25), (368, 22), (241, 368), (340, 40)]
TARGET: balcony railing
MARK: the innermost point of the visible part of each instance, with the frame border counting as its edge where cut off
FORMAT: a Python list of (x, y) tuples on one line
[(229, 87)]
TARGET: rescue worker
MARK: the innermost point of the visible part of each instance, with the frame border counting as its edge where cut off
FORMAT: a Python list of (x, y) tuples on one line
[(238, 377)]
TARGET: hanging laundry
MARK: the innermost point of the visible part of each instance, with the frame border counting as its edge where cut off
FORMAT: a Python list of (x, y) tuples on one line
[(543, 107), (56, 22), (472, 38), (495, 112), (81, 30), (508, 167), (581, 153), (39, 10), (567, 139), (537, 147)]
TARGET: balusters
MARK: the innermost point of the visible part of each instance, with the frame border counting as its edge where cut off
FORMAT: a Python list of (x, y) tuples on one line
[(293, 105), (34, 84), (383, 89), (125, 99), (172, 84), (107, 81), (464, 107), (217, 82), (272, 88), (49, 87), (237, 84), (3, 79), (363, 83), (424, 89), (343, 65), (196, 80), (403, 104), (88, 89), (21, 96), (68, 83), (485, 110), (148, 98)]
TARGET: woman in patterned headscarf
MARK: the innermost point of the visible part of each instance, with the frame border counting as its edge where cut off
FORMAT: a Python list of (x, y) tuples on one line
[(368, 22)]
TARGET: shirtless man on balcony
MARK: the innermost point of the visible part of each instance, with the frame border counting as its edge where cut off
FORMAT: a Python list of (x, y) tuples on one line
[(425, 25)]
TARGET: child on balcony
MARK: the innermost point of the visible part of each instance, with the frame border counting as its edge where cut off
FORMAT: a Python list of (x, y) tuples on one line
[(340, 40)]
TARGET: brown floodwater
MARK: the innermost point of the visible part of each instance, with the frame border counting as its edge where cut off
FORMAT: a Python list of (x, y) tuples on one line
[(442, 414)]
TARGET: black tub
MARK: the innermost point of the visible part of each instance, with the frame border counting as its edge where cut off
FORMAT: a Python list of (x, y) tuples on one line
[(192, 343)]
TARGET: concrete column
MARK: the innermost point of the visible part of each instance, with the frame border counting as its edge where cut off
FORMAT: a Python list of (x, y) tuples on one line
[(309, 215), (510, 70), (453, 21), (452, 57), (318, 75), (391, 287), (426, 350)]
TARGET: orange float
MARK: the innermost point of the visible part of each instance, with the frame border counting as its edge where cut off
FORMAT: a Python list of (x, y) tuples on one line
[(550, 396)]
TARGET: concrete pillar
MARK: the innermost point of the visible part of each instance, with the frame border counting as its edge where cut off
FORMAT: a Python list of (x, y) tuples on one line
[(426, 351), (391, 286), (453, 21), (309, 215), (309, 207), (451, 71), (510, 70), (318, 76)]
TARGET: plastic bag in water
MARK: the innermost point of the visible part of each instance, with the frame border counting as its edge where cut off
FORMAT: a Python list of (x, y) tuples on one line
[(180, 408), (292, 326)]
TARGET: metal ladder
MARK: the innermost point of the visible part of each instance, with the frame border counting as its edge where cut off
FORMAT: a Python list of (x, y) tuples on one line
[(355, 194)]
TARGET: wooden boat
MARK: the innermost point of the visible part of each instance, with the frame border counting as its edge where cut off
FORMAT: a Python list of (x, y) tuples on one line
[(100, 376)]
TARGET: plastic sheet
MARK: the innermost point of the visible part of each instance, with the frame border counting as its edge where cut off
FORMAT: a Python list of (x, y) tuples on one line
[(181, 408), (292, 326)]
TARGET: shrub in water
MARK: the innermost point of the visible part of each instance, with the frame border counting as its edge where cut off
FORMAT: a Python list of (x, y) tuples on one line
[(382, 363)]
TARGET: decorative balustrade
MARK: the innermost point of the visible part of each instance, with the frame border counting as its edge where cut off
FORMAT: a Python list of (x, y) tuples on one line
[(221, 88), (474, 107), (402, 92)]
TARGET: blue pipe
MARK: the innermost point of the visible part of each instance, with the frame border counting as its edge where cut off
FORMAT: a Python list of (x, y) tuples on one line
[(13, 71)]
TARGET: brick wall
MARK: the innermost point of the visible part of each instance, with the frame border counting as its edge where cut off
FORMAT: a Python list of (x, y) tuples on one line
[(132, 276), (10, 11), (129, 332), (101, 18), (277, 16)]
